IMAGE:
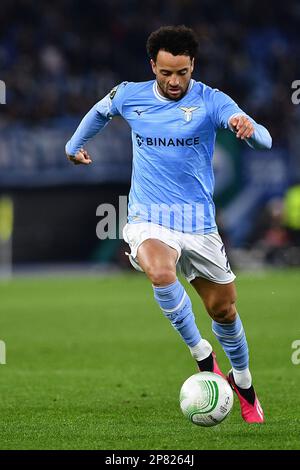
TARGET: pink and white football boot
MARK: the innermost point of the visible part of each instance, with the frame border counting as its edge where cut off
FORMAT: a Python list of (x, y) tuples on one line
[(215, 367), (251, 409)]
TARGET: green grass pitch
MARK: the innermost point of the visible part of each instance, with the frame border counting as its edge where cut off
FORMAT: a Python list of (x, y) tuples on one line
[(93, 364)]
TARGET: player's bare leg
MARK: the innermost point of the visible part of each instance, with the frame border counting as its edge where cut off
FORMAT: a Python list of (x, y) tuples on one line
[(158, 261), (219, 301)]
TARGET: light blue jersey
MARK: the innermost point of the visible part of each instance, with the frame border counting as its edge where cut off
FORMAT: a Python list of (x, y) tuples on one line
[(173, 144)]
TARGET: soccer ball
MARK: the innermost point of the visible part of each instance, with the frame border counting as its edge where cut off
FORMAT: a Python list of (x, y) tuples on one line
[(206, 399)]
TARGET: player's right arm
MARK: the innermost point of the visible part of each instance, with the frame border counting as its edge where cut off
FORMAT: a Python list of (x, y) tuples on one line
[(93, 122)]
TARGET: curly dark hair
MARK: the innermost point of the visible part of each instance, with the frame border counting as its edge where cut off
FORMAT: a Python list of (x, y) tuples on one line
[(178, 40)]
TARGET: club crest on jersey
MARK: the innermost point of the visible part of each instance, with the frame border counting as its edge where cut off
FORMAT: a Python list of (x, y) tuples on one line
[(188, 112)]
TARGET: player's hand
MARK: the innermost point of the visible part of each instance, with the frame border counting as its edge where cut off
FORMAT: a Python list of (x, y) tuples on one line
[(80, 158), (242, 126)]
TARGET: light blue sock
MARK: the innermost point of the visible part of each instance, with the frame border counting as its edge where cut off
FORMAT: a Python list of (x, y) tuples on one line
[(233, 340), (177, 307)]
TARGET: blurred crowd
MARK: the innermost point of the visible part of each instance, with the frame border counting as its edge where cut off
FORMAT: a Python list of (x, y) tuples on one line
[(59, 57), (276, 233), (275, 236)]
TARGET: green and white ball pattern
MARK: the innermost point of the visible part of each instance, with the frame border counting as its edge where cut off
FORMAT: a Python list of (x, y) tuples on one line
[(206, 399)]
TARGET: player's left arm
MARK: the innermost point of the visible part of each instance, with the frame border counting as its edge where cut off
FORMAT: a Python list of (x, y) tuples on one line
[(245, 128), (225, 113)]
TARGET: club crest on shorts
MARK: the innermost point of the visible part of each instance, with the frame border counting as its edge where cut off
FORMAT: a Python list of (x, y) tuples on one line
[(188, 112)]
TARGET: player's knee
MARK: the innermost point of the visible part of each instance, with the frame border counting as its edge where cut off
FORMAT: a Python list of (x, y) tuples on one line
[(161, 276), (224, 312)]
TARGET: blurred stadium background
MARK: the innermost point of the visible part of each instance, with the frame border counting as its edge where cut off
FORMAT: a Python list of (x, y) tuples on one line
[(57, 65), (63, 336)]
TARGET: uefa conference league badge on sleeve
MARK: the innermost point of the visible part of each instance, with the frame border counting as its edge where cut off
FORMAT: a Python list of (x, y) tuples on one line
[(113, 92)]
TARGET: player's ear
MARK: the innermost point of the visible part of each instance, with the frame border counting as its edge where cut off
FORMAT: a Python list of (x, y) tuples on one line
[(192, 64), (153, 65)]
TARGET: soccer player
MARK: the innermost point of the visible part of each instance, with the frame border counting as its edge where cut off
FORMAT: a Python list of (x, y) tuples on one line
[(171, 214)]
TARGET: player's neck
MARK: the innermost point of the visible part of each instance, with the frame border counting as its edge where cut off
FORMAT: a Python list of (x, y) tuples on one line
[(160, 92)]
